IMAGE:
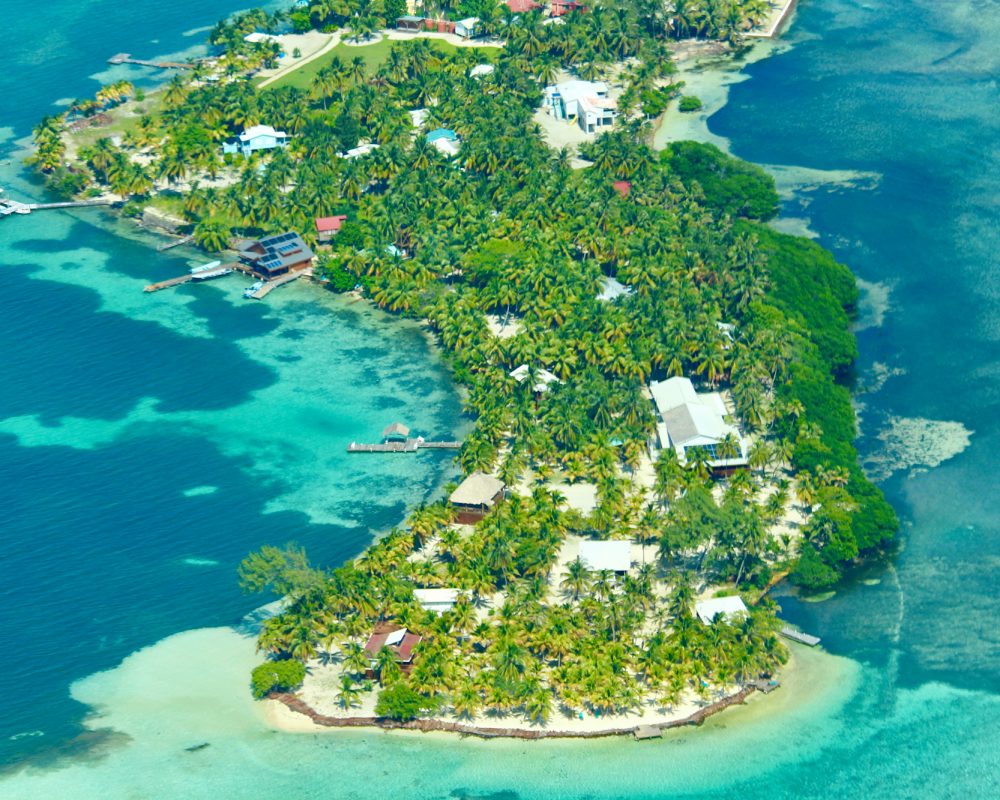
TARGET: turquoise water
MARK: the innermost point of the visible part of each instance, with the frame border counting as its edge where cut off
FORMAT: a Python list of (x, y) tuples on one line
[(882, 117), (149, 442)]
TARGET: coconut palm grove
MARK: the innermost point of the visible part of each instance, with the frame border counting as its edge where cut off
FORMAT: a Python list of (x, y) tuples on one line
[(507, 249)]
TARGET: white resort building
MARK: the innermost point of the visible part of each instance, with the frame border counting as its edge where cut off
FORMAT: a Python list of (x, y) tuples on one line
[(730, 608), (584, 102), (614, 555), (689, 420)]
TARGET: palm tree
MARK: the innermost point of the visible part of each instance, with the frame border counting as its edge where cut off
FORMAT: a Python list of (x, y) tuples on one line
[(348, 696)]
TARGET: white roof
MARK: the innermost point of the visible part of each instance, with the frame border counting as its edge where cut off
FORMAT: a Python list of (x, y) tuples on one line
[(468, 22), (478, 489), (481, 69), (576, 89), (612, 288), (395, 637), (672, 392), (614, 555), (418, 116), (542, 377), (259, 130), (449, 147), (256, 37), (360, 150), (432, 599), (707, 610)]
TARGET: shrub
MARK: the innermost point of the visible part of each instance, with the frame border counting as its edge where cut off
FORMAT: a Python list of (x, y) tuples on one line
[(276, 676), (689, 103), (401, 702)]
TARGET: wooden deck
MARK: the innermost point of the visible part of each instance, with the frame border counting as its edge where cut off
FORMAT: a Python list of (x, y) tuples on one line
[(271, 285), (223, 269), (647, 732), (126, 58), (408, 446), (800, 637)]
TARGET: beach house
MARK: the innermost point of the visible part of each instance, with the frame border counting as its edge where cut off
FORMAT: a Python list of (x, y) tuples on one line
[(521, 6), (475, 496), (275, 255), (399, 641), (689, 421), (585, 102), (543, 378), (559, 8), (614, 556), (259, 137), (328, 227)]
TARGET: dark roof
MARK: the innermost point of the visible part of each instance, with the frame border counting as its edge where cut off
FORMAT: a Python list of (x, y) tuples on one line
[(403, 650), (276, 252)]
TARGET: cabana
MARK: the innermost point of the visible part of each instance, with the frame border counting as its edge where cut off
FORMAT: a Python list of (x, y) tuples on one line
[(475, 496)]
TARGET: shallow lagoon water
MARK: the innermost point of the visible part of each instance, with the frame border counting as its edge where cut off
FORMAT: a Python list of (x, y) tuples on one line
[(880, 120)]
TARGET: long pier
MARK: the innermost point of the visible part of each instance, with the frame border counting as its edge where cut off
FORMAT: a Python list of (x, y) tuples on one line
[(271, 285), (8, 207), (407, 446), (224, 269), (126, 58)]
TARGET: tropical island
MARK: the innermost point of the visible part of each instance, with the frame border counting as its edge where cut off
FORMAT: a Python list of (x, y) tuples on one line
[(659, 379)]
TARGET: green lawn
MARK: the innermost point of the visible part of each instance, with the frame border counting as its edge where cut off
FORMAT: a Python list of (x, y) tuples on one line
[(373, 54)]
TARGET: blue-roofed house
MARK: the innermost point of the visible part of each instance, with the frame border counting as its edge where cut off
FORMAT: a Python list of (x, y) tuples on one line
[(259, 137), (275, 255)]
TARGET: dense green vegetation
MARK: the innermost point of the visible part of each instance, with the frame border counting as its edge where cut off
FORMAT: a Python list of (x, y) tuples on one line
[(277, 676), (507, 235)]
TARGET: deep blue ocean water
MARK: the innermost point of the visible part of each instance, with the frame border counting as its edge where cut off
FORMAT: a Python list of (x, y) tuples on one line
[(143, 437), (895, 101)]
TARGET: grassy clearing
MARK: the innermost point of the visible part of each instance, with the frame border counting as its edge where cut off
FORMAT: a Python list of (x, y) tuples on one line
[(373, 54)]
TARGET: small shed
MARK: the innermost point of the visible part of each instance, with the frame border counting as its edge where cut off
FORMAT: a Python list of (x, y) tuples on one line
[(436, 600), (543, 378), (475, 496), (328, 227), (615, 555), (730, 608), (410, 23), (467, 28), (395, 432)]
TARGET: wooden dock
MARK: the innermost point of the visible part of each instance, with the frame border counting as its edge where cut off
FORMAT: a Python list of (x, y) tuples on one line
[(765, 686), (126, 58), (175, 243), (271, 285), (8, 207), (800, 637), (224, 269), (407, 446), (643, 732)]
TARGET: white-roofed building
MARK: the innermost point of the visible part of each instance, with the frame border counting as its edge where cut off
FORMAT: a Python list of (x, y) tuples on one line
[(730, 608), (480, 70), (436, 600), (543, 378), (258, 137), (360, 150), (418, 116), (614, 555), (467, 28), (586, 102), (689, 420), (260, 38)]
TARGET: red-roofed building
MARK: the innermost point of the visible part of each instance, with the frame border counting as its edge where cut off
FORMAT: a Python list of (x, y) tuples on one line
[(560, 7), (327, 227), (622, 187), (398, 640), (521, 6)]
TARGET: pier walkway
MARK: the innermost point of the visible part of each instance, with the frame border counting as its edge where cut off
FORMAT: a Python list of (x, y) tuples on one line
[(8, 207), (223, 269), (126, 58), (407, 446), (800, 637), (175, 243)]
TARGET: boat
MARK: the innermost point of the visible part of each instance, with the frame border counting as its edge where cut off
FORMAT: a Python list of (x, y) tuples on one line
[(250, 291), (215, 273), (205, 267)]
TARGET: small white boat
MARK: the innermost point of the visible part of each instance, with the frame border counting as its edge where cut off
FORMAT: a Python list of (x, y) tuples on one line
[(205, 267), (250, 291)]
